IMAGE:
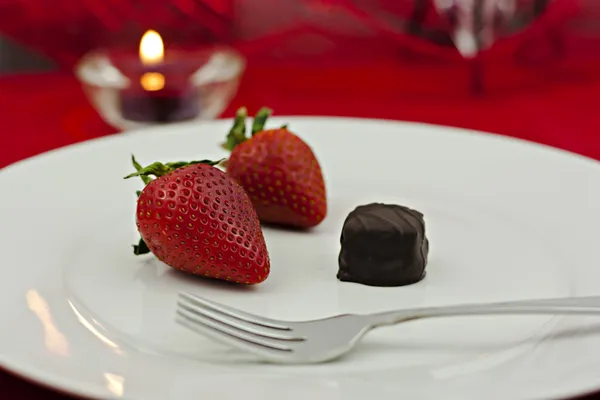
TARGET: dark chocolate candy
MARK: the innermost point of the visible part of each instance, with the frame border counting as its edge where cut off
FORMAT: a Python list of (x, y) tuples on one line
[(383, 245)]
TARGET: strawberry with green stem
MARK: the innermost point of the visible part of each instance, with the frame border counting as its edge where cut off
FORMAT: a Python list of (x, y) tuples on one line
[(157, 169), (195, 218), (279, 171)]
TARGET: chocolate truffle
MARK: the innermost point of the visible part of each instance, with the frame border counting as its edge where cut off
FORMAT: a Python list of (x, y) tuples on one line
[(383, 245)]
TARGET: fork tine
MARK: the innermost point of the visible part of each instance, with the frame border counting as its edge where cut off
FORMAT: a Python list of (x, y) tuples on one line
[(248, 327), (255, 319), (263, 353), (230, 336)]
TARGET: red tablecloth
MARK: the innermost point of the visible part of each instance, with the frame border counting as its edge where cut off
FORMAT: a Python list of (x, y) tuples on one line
[(45, 111), (41, 112)]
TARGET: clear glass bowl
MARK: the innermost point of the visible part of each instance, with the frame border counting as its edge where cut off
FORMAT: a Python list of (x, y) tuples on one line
[(192, 85)]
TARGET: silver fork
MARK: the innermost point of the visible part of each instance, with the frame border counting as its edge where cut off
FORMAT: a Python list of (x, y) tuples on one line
[(322, 340)]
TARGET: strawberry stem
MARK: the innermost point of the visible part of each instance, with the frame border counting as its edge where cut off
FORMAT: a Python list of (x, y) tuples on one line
[(237, 133), (260, 120)]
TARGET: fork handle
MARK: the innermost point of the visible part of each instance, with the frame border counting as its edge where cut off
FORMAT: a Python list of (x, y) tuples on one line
[(574, 305)]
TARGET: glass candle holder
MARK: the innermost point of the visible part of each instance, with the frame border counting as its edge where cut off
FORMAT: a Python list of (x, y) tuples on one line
[(132, 90)]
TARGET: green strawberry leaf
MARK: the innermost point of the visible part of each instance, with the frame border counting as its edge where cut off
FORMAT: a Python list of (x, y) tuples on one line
[(237, 133), (260, 120), (157, 169), (138, 167), (140, 248), (180, 164)]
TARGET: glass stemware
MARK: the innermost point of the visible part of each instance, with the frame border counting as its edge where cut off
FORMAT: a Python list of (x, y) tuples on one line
[(477, 24)]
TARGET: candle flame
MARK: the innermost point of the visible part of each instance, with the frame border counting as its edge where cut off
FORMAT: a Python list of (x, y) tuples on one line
[(152, 49), (152, 52)]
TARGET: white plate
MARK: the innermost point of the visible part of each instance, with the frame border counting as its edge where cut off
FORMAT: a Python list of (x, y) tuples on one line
[(506, 220)]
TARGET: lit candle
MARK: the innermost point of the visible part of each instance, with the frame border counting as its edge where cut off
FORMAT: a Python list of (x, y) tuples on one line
[(164, 93), (152, 53)]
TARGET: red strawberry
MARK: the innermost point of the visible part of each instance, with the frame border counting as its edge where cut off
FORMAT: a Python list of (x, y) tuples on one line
[(196, 219), (279, 171)]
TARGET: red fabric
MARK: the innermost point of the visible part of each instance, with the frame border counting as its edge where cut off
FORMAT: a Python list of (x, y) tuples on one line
[(326, 30), (64, 30), (563, 114)]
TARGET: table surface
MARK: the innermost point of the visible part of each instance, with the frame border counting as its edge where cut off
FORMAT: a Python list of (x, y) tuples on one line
[(40, 112)]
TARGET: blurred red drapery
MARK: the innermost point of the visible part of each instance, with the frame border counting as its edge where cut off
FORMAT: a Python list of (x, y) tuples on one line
[(549, 37)]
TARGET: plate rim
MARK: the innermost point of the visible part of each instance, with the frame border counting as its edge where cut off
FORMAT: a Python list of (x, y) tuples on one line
[(178, 125)]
